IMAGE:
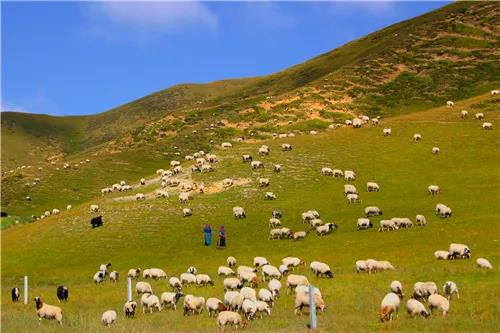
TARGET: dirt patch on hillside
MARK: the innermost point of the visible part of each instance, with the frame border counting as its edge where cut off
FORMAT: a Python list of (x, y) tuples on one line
[(217, 186)]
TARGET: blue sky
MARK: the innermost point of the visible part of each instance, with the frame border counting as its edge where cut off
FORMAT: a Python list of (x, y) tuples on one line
[(87, 57)]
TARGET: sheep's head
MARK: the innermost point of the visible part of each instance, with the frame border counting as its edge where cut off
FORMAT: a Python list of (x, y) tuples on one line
[(38, 302)]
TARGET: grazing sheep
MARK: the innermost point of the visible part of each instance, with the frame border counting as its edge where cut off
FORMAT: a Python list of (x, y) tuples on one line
[(302, 300), (129, 309), (155, 273), (134, 273), (273, 223), (94, 208), (353, 198), (238, 212), (231, 261), (230, 318), (487, 126), (397, 288), (203, 279), (435, 150), (264, 150), (269, 196), (383, 265), (98, 277), (299, 235), (440, 303), (372, 187), (234, 300), (206, 168), (283, 269), (260, 261), (420, 220), (62, 293), (257, 165), (441, 255), (266, 296), (433, 189), (305, 289), (350, 189), (326, 229), (227, 182), (143, 181), (140, 196), (192, 270), (495, 92), (15, 294), (175, 283), (402, 222), (375, 121), (479, 116), (292, 261), (277, 168), (348, 122), (232, 284), (270, 271), (387, 131), (415, 308), (183, 197), (275, 287), (423, 290), (249, 309), (349, 175), (484, 263), (55, 211), (464, 114), (263, 182), (443, 211), (372, 211), (108, 317), (388, 306), (321, 269), (246, 158), (459, 251), (417, 137), (294, 280), (170, 299), (150, 302), (364, 223), (326, 171), (249, 293), (113, 276), (450, 288), (186, 212), (161, 194), (214, 305), (226, 145), (143, 288), (450, 104), (263, 307), (225, 271), (46, 311), (249, 277), (356, 123), (286, 147)]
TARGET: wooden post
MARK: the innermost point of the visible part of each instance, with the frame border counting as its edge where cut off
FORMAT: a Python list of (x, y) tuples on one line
[(312, 309), (25, 289), (129, 289)]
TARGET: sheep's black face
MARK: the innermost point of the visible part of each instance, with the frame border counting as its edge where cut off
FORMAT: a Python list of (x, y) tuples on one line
[(38, 302)]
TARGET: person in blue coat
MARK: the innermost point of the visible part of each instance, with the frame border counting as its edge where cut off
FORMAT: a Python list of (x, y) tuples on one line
[(207, 230)]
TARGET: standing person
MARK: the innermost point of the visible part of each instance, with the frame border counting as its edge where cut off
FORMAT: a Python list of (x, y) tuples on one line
[(222, 238), (207, 230)]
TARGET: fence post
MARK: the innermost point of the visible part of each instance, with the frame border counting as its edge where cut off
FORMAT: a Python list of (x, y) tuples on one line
[(129, 289), (26, 289), (312, 309)]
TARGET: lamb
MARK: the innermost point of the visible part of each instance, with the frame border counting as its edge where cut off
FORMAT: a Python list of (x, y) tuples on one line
[(94, 208), (230, 318), (487, 126), (299, 235), (321, 269), (214, 305), (273, 223), (441, 255), (226, 271), (292, 261), (294, 280), (459, 251), (372, 211), (46, 311), (464, 114), (387, 131), (440, 303), (275, 287), (129, 309), (420, 220), (193, 304), (286, 147), (248, 293), (302, 300), (484, 263), (143, 288), (435, 150), (257, 165), (283, 269), (140, 196), (232, 284), (260, 261), (326, 172), (134, 273), (175, 283), (113, 276), (249, 309), (397, 288), (353, 198), (417, 137), (277, 168), (231, 261), (479, 115), (150, 302), (389, 305), (415, 308), (433, 189), (326, 229), (450, 288), (15, 294), (238, 212), (203, 279), (108, 318), (424, 289), (270, 271), (364, 223), (186, 212), (372, 187), (234, 300), (263, 307), (266, 296), (263, 182)]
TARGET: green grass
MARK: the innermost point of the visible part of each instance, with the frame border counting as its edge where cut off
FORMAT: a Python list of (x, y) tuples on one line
[(64, 250)]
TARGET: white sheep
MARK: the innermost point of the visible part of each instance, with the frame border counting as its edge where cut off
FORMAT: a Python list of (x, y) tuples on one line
[(140, 196), (321, 269), (183, 197), (420, 220), (134, 273), (487, 126), (203, 279), (275, 287), (225, 271), (55, 211), (263, 307), (299, 235), (263, 182), (417, 137), (364, 223), (484, 263), (450, 288), (459, 251), (415, 308), (274, 222), (231, 261), (108, 317), (270, 271), (214, 305), (441, 255), (266, 296), (46, 311), (277, 168), (479, 115), (99, 277), (326, 171), (193, 304), (387, 131), (440, 303), (302, 300), (142, 287), (155, 273), (226, 145), (230, 318), (249, 277), (292, 262), (186, 212), (353, 198), (227, 182), (433, 189), (249, 293), (450, 104), (443, 210), (232, 284), (260, 261), (464, 114), (356, 123), (372, 187), (175, 283), (372, 211), (239, 212), (286, 147), (170, 299), (349, 175), (436, 150), (257, 164), (234, 300), (94, 208), (294, 280), (269, 196), (424, 289), (249, 309), (150, 302), (129, 309), (397, 288), (113, 276), (389, 306), (350, 189)]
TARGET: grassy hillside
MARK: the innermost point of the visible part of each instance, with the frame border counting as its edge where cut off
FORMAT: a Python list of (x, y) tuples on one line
[(64, 250)]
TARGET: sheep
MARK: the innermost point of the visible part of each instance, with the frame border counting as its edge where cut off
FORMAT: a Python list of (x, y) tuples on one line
[(263, 182), (326, 229), (143, 288), (170, 299), (495, 92), (294, 280), (55, 211), (443, 210), (464, 114), (349, 175), (249, 309), (479, 116), (113, 276), (206, 168), (402, 222), (226, 145), (326, 171), (484, 263), (277, 168), (423, 290), (108, 317), (232, 284), (387, 131), (234, 300), (292, 261), (450, 288), (175, 283), (249, 293), (433, 189), (270, 271), (302, 300), (134, 273), (260, 261), (183, 197), (192, 270), (417, 137), (436, 150), (372, 211), (94, 208), (193, 304), (257, 164), (174, 163), (269, 196), (375, 121), (321, 269), (264, 150), (230, 318), (15, 294), (246, 158), (307, 217), (487, 126), (397, 288), (161, 194), (283, 269), (353, 198), (372, 187), (46, 311), (214, 305), (356, 123), (350, 189), (150, 302), (273, 223), (129, 309), (450, 104), (389, 305), (231, 261), (225, 271), (440, 303), (188, 278), (348, 122), (239, 212), (203, 279), (156, 273), (266, 296), (227, 182), (286, 147), (420, 220), (249, 277), (338, 173), (98, 277), (364, 223), (140, 196), (186, 212), (275, 287), (263, 307), (383, 265), (441, 255), (305, 289), (299, 235), (459, 251), (415, 308)]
